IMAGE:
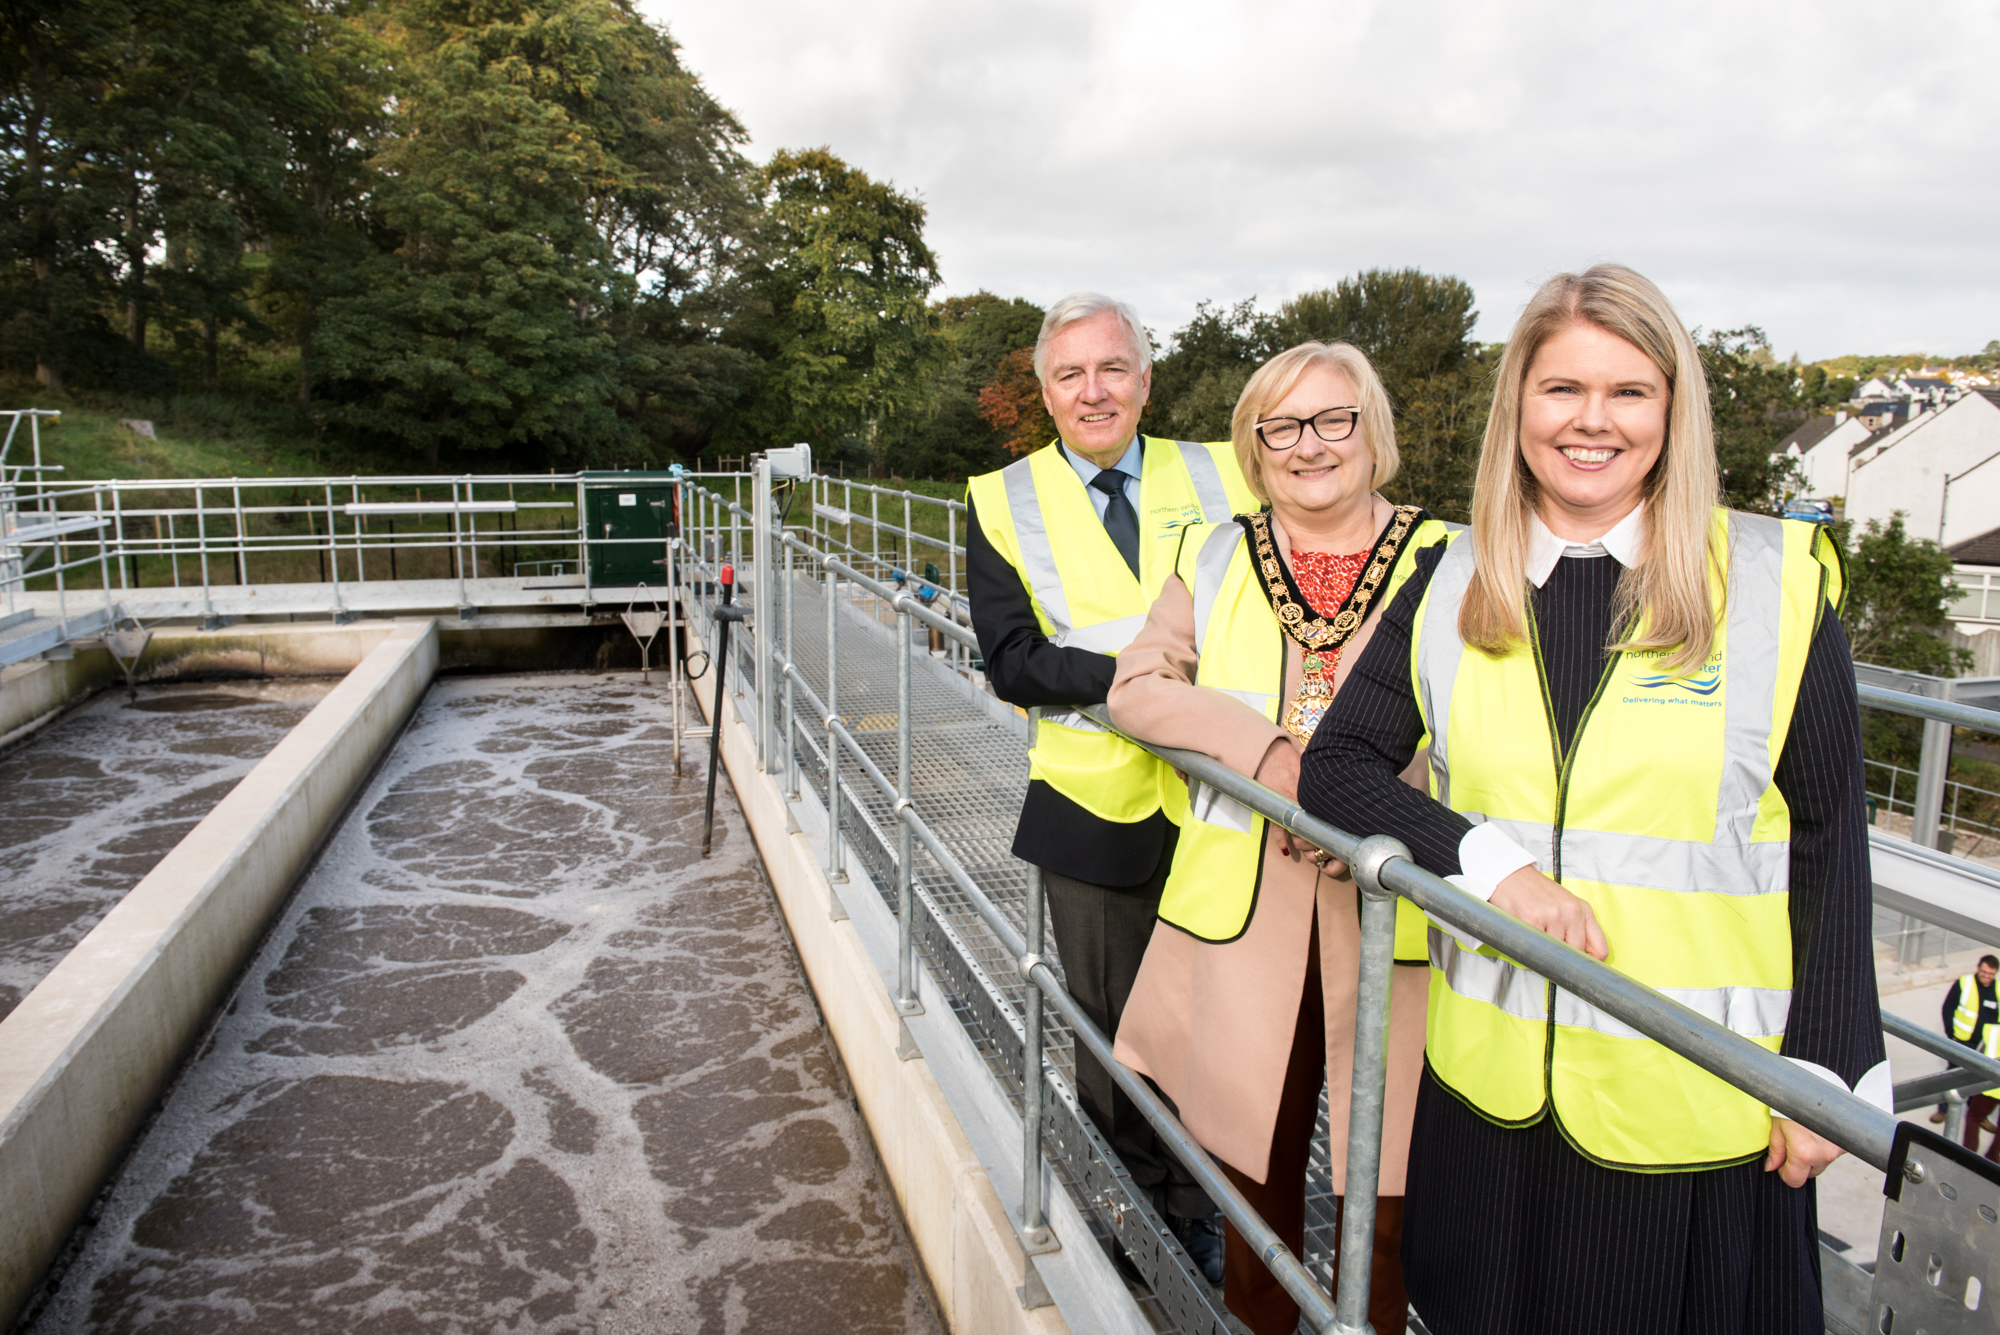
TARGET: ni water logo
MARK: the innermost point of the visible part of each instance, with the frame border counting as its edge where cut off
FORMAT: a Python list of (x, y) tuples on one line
[(1704, 683)]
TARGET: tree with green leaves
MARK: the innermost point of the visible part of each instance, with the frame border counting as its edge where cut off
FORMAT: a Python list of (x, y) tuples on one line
[(949, 431), (1417, 330), (837, 309), (1899, 592), (1756, 402)]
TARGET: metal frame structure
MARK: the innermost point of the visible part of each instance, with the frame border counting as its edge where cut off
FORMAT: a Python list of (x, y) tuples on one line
[(878, 704), (988, 943)]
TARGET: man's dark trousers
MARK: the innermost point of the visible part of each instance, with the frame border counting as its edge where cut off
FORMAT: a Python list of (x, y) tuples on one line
[(1101, 935)]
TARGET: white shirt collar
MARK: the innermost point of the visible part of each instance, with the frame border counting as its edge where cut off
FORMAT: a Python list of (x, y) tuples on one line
[(1625, 544)]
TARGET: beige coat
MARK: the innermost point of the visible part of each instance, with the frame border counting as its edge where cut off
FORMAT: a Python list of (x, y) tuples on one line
[(1212, 1024)]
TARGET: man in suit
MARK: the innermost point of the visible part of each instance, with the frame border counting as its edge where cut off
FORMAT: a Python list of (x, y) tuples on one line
[(1065, 552)]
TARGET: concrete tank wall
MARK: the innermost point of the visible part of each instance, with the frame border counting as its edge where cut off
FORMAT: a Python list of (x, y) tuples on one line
[(87, 1053)]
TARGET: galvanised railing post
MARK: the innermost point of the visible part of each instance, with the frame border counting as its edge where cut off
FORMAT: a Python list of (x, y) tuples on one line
[(736, 559), (208, 620), (906, 960), (104, 557), (788, 753), (875, 530), (909, 538), (1370, 1083), (332, 557), (1934, 761), (836, 867), (1034, 1210), (761, 630)]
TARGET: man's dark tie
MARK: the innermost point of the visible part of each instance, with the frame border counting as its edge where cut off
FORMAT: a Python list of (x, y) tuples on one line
[(1121, 521)]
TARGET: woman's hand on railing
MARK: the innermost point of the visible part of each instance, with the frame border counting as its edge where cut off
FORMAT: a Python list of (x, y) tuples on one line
[(1798, 1154), (1541, 903), (1279, 771)]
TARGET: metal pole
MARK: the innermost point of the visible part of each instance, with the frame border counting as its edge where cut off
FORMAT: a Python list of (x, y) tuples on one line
[(1954, 1116), (763, 579), (201, 545), (1931, 768), (1370, 1088), (836, 867), (333, 554), (1264, 1242), (875, 528), (909, 538), (906, 962), (1034, 1212), (788, 753)]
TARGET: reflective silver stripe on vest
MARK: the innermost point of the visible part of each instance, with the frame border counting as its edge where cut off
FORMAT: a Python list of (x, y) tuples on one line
[(1753, 1012), (1680, 865), (1106, 637), (1211, 564), (1207, 479), (1439, 652), (1038, 559), (1516, 990), (1750, 689), (1081, 722)]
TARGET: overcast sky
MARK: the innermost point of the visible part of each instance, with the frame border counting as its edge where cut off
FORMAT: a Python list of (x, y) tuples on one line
[(1826, 170)]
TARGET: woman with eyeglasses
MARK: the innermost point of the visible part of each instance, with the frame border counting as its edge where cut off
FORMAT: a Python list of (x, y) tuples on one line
[(1245, 1001)]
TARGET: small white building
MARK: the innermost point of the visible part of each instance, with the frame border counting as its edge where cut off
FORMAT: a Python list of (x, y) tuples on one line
[(1942, 470), (1821, 448)]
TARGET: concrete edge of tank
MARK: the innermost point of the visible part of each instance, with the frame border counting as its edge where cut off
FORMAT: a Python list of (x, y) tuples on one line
[(36, 693), (959, 1224), (85, 1055)]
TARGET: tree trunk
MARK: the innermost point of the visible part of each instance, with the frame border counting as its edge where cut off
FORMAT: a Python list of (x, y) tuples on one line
[(48, 369), (135, 258), (305, 362)]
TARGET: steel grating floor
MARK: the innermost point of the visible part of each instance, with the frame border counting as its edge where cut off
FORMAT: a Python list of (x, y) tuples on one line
[(968, 776)]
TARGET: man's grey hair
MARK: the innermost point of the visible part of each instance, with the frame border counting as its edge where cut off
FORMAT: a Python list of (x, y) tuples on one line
[(1081, 306)]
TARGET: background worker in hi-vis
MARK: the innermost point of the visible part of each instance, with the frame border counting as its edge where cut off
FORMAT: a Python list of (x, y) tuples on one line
[(1065, 553)]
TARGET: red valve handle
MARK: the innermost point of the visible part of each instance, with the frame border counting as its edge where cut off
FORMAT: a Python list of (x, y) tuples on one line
[(729, 574)]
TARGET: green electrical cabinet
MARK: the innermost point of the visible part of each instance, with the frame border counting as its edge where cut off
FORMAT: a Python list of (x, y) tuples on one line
[(628, 518)]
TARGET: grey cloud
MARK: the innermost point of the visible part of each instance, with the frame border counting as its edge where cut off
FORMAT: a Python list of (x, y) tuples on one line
[(1802, 166)]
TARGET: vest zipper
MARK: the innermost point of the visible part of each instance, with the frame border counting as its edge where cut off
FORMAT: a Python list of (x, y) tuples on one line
[(1565, 757)]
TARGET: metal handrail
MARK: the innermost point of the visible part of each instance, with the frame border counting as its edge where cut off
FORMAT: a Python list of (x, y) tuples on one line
[(1847, 1120)]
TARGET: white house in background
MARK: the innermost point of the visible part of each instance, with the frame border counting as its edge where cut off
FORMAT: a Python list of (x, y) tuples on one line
[(1976, 566), (1877, 388), (1942, 471), (1821, 448), (1933, 390)]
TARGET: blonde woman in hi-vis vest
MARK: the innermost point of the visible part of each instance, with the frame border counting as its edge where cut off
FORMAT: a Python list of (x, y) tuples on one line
[(1640, 715), (1245, 1000)]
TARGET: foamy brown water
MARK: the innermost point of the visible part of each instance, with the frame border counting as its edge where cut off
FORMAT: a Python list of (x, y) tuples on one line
[(93, 802), (515, 1059)]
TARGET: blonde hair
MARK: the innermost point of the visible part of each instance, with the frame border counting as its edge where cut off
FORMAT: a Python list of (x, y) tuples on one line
[(1662, 602), (1276, 378)]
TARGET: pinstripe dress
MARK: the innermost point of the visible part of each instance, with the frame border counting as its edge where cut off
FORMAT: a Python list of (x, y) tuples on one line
[(1511, 1229)]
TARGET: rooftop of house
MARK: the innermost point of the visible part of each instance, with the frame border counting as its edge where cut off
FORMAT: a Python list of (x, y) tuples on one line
[(1809, 434), (1983, 550)]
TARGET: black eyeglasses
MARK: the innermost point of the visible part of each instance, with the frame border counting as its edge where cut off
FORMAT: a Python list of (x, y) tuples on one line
[(1329, 424)]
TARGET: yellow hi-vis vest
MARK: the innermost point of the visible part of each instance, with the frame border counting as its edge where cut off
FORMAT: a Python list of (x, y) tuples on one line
[(1966, 1018), (1039, 517), (1212, 890), (1664, 817)]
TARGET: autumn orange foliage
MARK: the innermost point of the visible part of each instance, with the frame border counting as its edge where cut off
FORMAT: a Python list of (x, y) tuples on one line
[(1012, 404)]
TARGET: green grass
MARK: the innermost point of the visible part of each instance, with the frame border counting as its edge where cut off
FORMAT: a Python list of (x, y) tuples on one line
[(198, 436)]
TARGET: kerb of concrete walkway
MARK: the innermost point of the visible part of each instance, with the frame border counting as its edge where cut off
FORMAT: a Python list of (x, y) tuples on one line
[(88, 1051)]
